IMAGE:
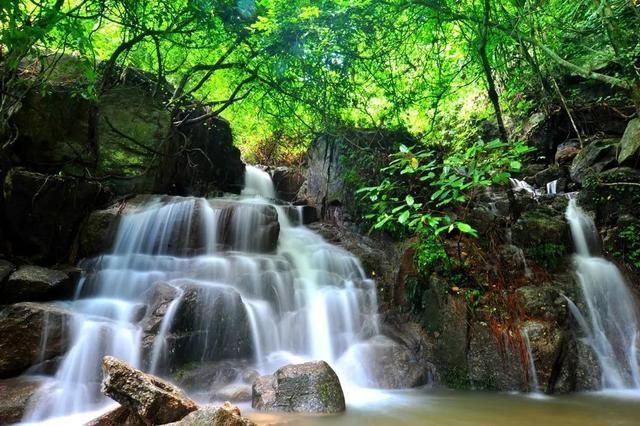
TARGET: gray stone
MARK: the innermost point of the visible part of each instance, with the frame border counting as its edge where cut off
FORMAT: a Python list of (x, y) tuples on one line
[(287, 182), (35, 283), (312, 387), (630, 144), (153, 399), (23, 328), (595, 157)]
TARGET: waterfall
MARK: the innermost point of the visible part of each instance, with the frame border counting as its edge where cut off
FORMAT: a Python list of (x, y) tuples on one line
[(534, 386), (552, 187), (235, 270), (610, 317)]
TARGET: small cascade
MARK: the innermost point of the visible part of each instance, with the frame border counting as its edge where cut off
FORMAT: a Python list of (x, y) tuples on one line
[(193, 280), (610, 317), (522, 186), (534, 386), (552, 187), (257, 182)]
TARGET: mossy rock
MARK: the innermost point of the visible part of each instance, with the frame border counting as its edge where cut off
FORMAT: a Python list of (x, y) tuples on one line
[(539, 227), (611, 194)]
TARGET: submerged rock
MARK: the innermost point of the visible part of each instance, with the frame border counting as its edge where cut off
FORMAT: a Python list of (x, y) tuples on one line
[(31, 333), (34, 283), (312, 387), (121, 416), (227, 415), (153, 399), (16, 394)]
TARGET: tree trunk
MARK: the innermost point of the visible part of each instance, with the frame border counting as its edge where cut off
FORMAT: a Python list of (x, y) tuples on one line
[(486, 67)]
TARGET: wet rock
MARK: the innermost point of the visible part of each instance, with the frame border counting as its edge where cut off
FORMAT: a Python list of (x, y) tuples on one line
[(34, 283), (542, 302), (153, 399), (121, 416), (383, 363), (23, 328), (227, 415), (253, 228), (547, 175), (210, 322), (494, 360), (16, 394), (445, 317), (210, 376), (236, 392), (599, 155), (540, 226), (630, 144), (312, 387), (287, 182), (43, 213), (99, 231), (578, 368), (545, 340)]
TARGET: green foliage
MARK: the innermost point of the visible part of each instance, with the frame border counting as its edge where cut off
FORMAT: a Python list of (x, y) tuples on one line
[(549, 255), (628, 245), (430, 256), (421, 189)]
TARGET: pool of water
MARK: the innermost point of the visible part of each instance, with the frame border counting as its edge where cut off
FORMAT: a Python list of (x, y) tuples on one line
[(454, 408)]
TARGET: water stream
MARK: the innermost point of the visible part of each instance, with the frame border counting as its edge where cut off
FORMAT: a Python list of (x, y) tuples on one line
[(248, 289), (610, 315)]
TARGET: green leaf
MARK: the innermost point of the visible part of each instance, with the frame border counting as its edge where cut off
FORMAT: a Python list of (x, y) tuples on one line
[(409, 199), (404, 217)]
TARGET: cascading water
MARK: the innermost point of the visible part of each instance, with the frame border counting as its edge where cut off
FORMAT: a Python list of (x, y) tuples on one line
[(610, 318), (227, 272)]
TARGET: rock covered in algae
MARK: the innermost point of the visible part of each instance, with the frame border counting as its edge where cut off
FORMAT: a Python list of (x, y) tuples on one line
[(312, 387)]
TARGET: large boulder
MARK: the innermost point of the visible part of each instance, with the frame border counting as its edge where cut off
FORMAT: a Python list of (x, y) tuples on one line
[(31, 333), (35, 283), (16, 394), (43, 212), (630, 144), (154, 400), (595, 157), (312, 387), (227, 415)]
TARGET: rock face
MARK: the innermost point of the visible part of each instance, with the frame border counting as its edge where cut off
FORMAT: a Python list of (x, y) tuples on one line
[(154, 400), (16, 394), (311, 387), (44, 212), (34, 283), (630, 144), (24, 328), (6, 268)]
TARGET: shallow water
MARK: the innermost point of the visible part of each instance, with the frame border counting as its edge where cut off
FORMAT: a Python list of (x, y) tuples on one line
[(455, 408)]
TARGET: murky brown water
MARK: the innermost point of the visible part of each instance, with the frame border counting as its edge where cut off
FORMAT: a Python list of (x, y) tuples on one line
[(451, 408)]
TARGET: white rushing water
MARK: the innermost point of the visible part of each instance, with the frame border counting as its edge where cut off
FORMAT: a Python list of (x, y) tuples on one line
[(610, 317), (298, 299)]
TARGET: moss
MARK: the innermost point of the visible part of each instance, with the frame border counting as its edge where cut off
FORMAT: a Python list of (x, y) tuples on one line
[(549, 255)]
